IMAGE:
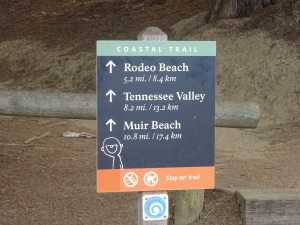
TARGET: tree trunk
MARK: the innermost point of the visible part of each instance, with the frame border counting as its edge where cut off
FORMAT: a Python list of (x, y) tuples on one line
[(235, 8)]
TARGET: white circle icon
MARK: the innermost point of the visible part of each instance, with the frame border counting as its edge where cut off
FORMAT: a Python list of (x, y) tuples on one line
[(130, 179), (150, 179)]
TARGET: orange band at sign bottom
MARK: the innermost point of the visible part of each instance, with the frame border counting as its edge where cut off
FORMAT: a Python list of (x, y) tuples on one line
[(155, 179)]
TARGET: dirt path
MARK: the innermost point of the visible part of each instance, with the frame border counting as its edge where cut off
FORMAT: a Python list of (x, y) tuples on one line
[(263, 158), (52, 180)]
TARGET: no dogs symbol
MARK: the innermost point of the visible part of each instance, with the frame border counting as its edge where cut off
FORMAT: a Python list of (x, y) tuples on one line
[(150, 179)]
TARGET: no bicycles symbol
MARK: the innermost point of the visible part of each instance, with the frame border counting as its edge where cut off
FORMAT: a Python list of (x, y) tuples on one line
[(130, 179)]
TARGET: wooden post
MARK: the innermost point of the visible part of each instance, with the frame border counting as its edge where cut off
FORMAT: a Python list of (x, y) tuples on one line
[(150, 34), (188, 206)]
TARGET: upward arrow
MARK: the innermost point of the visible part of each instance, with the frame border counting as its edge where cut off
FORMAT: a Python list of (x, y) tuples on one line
[(110, 93), (110, 64), (110, 123)]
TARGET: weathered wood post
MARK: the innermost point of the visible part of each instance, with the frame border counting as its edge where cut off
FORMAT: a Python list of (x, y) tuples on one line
[(150, 34), (188, 206), (189, 203)]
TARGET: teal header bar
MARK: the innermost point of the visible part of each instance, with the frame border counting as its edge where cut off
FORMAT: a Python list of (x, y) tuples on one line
[(156, 48)]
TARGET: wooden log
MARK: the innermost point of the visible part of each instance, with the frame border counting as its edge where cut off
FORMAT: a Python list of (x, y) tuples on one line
[(42, 104), (270, 207), (83, 106), (237, 114), (150, 34)]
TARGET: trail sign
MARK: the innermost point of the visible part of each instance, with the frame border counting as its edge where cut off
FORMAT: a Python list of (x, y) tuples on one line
[(155, 115)]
